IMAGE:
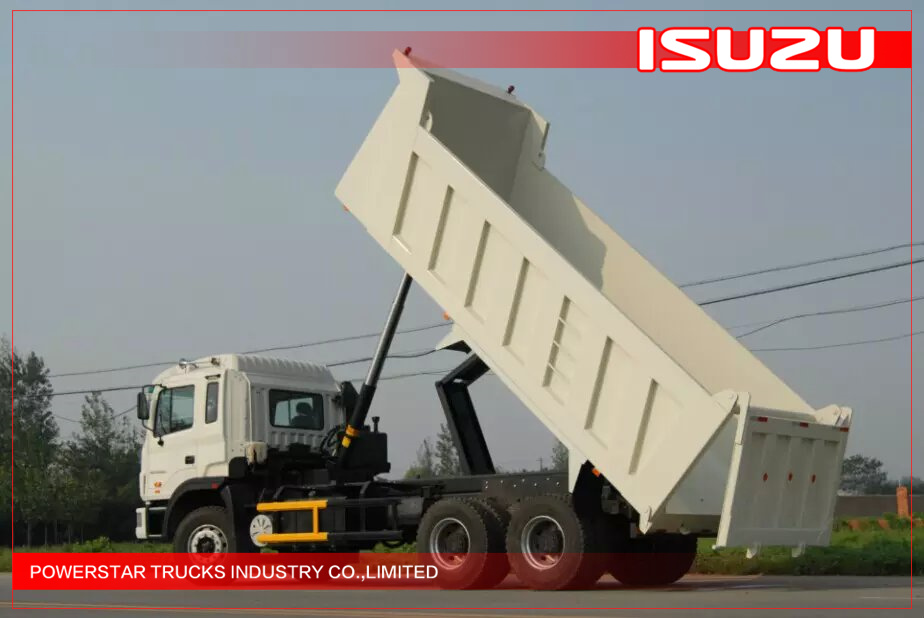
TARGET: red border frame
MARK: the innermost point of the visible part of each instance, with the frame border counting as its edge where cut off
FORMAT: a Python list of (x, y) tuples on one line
[(473, 609)]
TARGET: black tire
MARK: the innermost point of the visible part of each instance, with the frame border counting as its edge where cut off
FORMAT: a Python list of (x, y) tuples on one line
[(497, 519), (459, 538), (657, 560), (207, 528), (499, 513), (551, 547)]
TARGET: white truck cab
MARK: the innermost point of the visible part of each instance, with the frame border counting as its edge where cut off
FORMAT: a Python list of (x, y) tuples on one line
[(209, 415)]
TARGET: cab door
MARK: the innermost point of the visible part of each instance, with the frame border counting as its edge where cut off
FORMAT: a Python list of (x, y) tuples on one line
[(212, 455), (172, 446)]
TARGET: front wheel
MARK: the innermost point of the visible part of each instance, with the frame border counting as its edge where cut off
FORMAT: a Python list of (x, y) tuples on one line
[(206, 530)]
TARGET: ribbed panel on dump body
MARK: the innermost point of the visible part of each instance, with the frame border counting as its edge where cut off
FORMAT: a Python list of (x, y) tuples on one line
[(617, 361)]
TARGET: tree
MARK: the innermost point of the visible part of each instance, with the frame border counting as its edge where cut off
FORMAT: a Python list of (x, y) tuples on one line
[(105, 442), (6, 437), (103, 457), (559, 457), (35, 433), (424, 467), (80, 502), (863, 475), (447, 457)]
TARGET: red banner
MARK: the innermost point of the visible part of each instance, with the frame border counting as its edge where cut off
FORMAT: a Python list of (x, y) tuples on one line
[(162, 571), (367, 570), (512, 49)]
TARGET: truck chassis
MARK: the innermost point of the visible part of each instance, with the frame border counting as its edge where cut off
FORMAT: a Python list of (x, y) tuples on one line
[(474, 528)]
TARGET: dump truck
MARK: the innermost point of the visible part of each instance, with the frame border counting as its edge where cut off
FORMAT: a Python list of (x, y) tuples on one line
[(674, 429)]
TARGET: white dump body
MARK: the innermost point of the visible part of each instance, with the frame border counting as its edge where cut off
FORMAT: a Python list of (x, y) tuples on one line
[(609, 354)]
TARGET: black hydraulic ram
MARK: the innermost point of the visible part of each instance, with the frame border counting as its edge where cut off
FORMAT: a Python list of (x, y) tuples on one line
[(474, 456), (367, 392)]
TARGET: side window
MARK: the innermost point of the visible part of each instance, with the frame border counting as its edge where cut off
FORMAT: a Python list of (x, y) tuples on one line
[(211, 402), (296, 410), (174, 410)]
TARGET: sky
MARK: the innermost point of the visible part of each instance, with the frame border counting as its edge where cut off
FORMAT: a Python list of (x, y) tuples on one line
[(168, 213)]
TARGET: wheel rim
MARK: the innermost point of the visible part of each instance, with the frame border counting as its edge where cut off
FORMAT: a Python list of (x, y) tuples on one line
[(543, 542), (449, 543), (207, 539), (261, 524)]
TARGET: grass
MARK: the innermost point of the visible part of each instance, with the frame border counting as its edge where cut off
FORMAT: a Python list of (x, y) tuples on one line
[(868, 551), (100, 545)]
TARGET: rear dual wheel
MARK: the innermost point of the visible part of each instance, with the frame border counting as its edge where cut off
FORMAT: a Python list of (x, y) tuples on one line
[(464, 539), (656, 560), (551, 547)]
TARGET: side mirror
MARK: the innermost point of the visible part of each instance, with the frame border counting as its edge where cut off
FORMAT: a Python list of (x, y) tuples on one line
[(144, 412)]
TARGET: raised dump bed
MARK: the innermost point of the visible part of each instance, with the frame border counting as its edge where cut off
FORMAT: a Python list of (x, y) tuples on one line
[(624, 368)]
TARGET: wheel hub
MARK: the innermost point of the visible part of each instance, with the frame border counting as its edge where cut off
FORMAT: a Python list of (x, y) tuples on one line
[(207, 539), (543, 542), (449, 543)]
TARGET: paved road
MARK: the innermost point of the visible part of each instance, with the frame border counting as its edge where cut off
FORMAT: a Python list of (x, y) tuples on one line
[(763, 596)]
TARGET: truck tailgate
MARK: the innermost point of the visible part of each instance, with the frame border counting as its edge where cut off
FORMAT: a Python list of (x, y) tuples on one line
[(783, 482)]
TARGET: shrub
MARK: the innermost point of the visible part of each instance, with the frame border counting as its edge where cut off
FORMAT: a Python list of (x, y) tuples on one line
[(96, 546)]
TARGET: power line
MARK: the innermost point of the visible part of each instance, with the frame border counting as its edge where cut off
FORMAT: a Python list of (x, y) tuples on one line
[(414, 354), (97, 390), (74, 420), (397, 355), (771, 323), (420, 354), (110, 370), (410, 374), (802, 284), (413, 374), (771, 320), (350, 338), (124, 412), (774, 269), (138, 386), (441, 324), (839, 345), (258, 351), (437, 325)]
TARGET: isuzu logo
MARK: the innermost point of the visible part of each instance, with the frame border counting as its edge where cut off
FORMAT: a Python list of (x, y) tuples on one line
[(780, 49)]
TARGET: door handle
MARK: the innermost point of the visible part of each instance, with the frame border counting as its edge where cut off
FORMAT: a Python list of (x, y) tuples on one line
[(190, 459)]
